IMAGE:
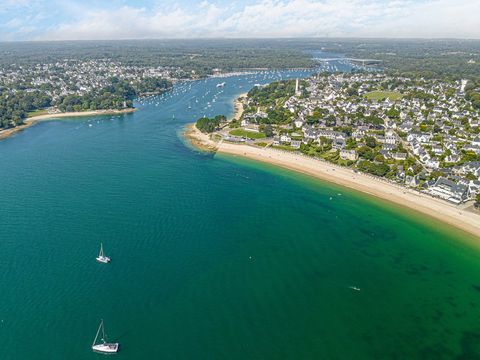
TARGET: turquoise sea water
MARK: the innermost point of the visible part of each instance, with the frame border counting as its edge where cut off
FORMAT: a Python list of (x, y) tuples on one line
[(214, 257)]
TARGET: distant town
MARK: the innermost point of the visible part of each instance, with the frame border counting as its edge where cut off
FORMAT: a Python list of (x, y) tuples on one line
[(418, 132), (77, 85), (77, 77)]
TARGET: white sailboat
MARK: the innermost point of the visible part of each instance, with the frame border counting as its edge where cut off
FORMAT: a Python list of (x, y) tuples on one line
[(101, 257), (104, 347)]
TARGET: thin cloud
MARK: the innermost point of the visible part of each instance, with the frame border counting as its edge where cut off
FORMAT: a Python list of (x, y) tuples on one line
[(273, 18)]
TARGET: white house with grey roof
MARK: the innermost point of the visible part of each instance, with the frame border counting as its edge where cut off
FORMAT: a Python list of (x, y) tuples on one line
[(449, 190)]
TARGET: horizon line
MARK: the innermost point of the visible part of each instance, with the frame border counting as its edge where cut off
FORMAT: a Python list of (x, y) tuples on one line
[(246, 38)]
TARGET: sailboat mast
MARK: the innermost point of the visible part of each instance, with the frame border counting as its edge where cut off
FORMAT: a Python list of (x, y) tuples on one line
[(98, 331), (103, 333), (101, 249)]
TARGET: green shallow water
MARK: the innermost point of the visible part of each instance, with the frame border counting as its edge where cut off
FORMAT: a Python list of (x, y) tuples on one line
[(214, 257)]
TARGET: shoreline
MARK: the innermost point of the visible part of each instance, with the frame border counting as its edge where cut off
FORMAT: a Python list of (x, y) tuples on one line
[(34, 119), (238, 107), (203, 141), (198, 139), (408, 198)]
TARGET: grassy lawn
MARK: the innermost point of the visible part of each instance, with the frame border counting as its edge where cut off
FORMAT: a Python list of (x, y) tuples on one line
[(379, 95), (37, 113), (247, 134), (284, 147)]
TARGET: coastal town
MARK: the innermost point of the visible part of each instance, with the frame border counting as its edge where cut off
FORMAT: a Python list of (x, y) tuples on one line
[(418, 133)]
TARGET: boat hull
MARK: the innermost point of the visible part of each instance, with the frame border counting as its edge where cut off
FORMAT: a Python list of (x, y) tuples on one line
[(103, 259), (107, 348)]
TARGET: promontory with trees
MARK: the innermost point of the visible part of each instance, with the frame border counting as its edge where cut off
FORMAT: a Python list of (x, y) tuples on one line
[(209, 125)]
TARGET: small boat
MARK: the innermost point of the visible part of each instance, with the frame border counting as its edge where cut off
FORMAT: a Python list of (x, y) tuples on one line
[(104, 347), (221, 85), (354, 288), (101, 257)]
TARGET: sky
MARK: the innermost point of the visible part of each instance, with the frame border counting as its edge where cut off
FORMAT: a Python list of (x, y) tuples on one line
[(22, 20)]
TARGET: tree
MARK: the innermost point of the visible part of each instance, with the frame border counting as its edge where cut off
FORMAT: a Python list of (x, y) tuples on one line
[(375, 169), (268, 131), (350, 144), (393, 113), (380, 158), (325, 143), (468, 156), (436, 174), (207, 125), (370, 142), (351, 91), (366, 153), (470, 176)]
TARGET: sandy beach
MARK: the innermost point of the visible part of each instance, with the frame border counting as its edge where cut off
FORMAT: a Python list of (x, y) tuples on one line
[(33, 120), (200, 140), (238, 107), (435, 208)]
